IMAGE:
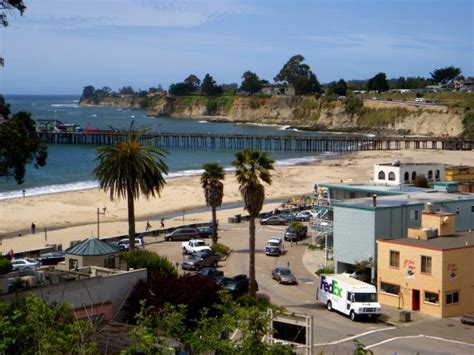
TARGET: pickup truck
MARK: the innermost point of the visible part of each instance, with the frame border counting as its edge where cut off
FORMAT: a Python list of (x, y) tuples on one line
[(194, 245), (200, 259)]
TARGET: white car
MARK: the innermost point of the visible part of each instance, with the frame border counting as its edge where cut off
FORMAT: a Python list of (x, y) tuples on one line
[(23, 264), (194, 245), (124, 244)]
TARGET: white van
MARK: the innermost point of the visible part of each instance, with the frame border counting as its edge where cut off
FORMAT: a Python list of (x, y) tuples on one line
[(349, 296)]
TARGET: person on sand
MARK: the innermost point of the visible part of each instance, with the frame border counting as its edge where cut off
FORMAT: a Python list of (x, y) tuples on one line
[(162, 223), (24, 193), (148, 226), (33, 228)]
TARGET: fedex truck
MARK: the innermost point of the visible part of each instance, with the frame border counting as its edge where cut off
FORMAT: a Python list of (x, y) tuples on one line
[(348, 295)]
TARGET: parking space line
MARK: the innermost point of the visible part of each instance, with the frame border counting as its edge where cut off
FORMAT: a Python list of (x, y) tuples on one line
[(417, 336), (354, 336)]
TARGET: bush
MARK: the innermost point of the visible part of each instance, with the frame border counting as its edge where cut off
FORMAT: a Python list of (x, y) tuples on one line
[(297, 226), (5, 265), (194, 291), (353, 105), (421, 181), (220, 249), (154, 263), (325, 270), (468, 122)]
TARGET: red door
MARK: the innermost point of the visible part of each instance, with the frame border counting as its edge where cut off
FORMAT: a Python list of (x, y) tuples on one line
[(415, 306)]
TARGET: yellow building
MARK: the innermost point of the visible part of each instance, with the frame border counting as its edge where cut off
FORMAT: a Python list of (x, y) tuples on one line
[(433, 275), (460, 173)]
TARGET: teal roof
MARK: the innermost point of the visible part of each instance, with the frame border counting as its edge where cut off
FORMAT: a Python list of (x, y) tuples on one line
[(92, 247), (445, 183), (379, 190)]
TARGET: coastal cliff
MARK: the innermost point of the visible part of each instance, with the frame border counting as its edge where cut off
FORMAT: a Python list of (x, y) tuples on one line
[(303, 112)]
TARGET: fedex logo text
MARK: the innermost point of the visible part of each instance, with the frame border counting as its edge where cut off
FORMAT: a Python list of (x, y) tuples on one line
[(330, 287)]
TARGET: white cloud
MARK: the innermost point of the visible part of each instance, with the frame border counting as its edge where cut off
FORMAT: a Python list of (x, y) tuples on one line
[(131, 13)]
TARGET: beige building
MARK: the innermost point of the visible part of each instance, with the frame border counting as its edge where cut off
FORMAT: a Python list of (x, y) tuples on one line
[(92, 252), (431, 271)]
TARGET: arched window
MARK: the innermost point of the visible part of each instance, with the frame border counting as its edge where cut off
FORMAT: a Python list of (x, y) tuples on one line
[(381, 175), (391, 176), (407, 176), (437, 174), (430, 175), (413, 176)]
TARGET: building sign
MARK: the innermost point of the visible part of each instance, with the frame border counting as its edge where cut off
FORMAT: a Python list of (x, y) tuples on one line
[(452, 271), (409, 266)]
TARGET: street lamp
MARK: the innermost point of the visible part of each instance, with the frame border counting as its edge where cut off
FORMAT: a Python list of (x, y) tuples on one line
[(98, 220)]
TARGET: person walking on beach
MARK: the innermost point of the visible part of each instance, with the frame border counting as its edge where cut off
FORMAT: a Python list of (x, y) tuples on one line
[(24, 192), (162, 222), (33, 228), (148, 226)]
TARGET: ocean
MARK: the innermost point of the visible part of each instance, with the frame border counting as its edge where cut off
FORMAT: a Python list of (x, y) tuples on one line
[(69, 167)]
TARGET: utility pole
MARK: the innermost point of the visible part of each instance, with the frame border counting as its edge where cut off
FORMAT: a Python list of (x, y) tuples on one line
[(98, 219)]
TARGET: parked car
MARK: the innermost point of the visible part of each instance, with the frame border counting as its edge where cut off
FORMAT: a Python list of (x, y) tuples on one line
[(23, 264), (194, 245), (274, 246), (284, 275), (206, 232), (236, 285), (183, 233), (210, 272), (124, 244), (276, 220), (51, 258), (468, 318), (199, 260), (304, 216), (294, 233)]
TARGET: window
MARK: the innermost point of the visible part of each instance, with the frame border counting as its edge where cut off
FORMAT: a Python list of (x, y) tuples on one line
[(390, 288), (391, 176), (426, 264), (437, 174), (431, 297), (452, 297), (413, 176), (73, 264), (381, 175), (430, 175), (472, 209), (458, 209), (407, 176), (109, 263), (394, 258), (414, 215)]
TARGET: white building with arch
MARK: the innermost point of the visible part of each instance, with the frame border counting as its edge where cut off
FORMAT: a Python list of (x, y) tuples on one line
[(397, 173)]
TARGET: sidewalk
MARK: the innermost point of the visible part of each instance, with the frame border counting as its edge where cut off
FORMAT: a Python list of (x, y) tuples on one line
[(313, 260)]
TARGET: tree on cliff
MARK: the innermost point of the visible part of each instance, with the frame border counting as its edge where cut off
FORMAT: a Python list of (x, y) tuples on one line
[(251, 83), (337, 88), (179, 89), (378, 83), (88, 93), (130, 169), (445, 75), (192, 83), (8, 6), (126, 90), (209, 87), (299, 75)]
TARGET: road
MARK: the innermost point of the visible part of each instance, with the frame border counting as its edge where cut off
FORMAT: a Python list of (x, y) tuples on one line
[(333, 332)]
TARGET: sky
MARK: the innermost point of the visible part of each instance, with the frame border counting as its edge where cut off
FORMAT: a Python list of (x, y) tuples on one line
[(60, 46)]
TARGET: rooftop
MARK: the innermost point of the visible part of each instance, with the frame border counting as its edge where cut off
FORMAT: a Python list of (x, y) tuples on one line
[(413, 198), (409, 164), (456, 241), (92, 247), (373, 188)]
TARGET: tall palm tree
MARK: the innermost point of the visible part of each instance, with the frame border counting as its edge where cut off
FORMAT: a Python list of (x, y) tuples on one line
[(252, 168), (213, 191), (128, 169)]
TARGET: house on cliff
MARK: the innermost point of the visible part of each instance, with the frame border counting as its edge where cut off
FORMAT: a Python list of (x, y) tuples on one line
[(278, 89)]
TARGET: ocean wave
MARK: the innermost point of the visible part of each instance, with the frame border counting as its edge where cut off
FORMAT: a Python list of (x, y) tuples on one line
[(203, 121), (284, 128), (304, 160), (65, 105)]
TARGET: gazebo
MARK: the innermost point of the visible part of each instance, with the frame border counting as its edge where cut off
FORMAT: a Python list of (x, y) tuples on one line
[(92, 252)]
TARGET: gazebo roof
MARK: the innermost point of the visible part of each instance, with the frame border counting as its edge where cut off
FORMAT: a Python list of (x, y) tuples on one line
[(92, 247)]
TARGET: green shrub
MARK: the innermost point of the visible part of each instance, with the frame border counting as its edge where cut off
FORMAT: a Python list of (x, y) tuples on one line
[(381, 117), (468, 122), (220, 249), (154, 263), (325, 270), (353, 105), (5, 265)]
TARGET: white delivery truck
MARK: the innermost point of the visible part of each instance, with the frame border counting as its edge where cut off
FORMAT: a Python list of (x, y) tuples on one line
[(348, 295)]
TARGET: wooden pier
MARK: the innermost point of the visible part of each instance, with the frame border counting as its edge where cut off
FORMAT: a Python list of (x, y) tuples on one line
[(295, 143)]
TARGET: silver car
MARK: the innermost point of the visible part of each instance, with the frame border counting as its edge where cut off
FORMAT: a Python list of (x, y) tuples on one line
[(284, 275)]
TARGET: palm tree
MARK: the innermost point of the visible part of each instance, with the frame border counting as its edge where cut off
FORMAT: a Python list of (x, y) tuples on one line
[(213, 191), (252, 168), (128, 169)]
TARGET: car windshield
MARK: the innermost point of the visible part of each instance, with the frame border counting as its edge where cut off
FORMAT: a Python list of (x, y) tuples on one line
[(195, 257), (285, 272), (365, 297), (199, 244), (273, 244), (231, 285)]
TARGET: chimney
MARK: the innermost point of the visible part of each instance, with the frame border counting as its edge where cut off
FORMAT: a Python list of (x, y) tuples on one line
[(374, 200)]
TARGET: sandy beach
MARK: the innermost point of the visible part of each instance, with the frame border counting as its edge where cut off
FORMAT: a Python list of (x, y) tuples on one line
[(72, 216)]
